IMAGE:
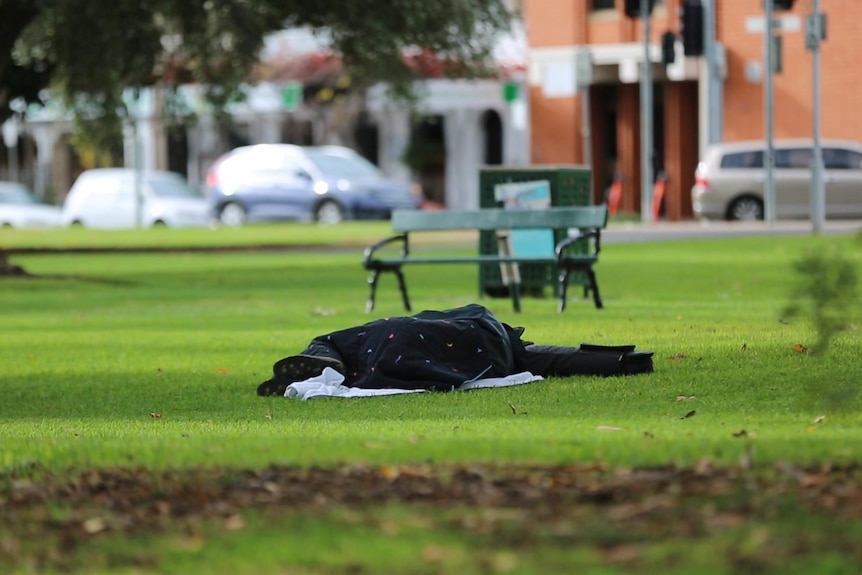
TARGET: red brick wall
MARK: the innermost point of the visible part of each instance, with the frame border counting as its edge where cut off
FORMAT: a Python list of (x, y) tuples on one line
[(556, 133), (793, 88)]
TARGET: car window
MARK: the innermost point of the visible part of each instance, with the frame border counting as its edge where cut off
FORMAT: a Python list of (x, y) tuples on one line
[(343, 167), (16, 194), (794, 158), (168, 187), (751, 159), (272, 163), (841, 159), (97, 188)]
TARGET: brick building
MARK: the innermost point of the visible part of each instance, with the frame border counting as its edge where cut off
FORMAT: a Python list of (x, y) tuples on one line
[(599, 123)]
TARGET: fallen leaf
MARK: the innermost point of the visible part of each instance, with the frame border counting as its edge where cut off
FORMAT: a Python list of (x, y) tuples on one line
[(94, 525), (799, 348), (740, 433), (438, 553), (689, 414), (234, 523), (155, 415), (819, 418), (222, 370), (703, 465), (512, 407), (608, 428), (389, 472), (685, 398), (676, 357)]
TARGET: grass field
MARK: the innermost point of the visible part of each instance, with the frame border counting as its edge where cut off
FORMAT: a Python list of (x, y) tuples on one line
[(132, 441)]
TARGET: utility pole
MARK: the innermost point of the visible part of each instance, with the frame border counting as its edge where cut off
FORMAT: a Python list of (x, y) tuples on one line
[(769, 112), (713, 75), (815, 33), (646, 118)]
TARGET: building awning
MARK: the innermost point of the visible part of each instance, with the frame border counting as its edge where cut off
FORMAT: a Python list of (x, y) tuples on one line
[(562, 69)]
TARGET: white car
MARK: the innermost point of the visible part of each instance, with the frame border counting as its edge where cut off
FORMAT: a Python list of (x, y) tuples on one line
[(19, 208), (125, 198)]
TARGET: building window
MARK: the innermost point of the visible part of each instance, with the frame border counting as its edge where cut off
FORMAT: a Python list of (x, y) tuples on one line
[(611, 4)]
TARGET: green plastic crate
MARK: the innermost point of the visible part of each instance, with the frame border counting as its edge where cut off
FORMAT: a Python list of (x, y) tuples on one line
[(569, 186)]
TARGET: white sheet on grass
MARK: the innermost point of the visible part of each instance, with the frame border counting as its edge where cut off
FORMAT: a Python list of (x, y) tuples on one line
[(328, 384)]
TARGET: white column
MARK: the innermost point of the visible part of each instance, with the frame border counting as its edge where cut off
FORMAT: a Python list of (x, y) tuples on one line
[(394, 136)]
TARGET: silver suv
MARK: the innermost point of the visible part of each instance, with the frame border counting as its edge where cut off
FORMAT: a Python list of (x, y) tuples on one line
[(729, 180)]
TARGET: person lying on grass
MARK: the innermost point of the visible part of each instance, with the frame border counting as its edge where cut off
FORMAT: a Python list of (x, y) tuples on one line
[(442, 350)]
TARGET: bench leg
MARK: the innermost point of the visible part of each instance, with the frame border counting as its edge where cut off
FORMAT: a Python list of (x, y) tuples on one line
[(515, 290), (402, 285), (594, 286), (372, 283), (564, 285)]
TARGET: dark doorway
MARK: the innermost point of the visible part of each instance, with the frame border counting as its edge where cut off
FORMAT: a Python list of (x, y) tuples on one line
[(367, 136), (426, 156), (493, 130), (178, 150)]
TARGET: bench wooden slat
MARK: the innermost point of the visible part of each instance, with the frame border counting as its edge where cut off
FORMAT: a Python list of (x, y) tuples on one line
[(499, 219)]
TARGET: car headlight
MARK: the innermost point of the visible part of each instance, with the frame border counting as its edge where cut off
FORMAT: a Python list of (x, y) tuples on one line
[(321, 188)]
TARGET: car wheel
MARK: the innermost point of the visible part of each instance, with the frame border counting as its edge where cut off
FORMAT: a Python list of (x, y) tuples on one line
[(232, 214), (745, 208), (329, 212)]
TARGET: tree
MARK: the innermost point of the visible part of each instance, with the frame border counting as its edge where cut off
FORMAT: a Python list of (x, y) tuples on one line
[(89, 51)]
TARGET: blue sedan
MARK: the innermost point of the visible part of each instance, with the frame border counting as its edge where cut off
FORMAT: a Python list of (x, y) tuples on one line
[(326, 184)]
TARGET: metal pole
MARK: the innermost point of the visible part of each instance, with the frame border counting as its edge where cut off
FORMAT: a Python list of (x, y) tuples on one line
[(646, 120), (769, 156), (713, 75), (818, 199), (586, 130)]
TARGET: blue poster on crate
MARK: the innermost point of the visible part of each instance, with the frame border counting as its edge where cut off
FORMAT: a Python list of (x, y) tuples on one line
[(535, 195)]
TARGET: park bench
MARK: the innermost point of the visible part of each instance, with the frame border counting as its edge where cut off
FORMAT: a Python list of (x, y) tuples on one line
[(577, 251)]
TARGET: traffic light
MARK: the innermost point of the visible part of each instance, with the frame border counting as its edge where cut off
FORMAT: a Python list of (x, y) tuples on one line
[(691, 27), (633, 8), (668, 48)]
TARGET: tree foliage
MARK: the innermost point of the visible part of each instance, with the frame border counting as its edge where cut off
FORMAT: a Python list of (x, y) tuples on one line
[(826, 294), (89, 51)]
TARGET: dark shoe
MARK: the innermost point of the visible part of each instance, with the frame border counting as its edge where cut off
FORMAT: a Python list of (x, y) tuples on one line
[(273, 387), (302, 367), (637, 362)]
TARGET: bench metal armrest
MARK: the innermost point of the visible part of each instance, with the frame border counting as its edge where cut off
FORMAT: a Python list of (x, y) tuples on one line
[(594, 234), (372, 249)]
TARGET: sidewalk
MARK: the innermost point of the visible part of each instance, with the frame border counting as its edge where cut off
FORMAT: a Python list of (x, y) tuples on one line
[(637, 231)]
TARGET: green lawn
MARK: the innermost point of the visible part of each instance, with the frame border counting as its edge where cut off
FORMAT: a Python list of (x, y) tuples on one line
[(142, 367)]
